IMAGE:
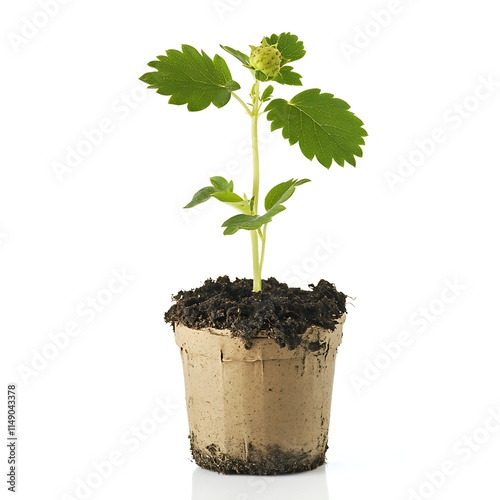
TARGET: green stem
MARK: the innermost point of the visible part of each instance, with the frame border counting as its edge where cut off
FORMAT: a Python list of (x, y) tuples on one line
[(255, 146), (257, 263), (263, 248), (237, 97), (257, 281)]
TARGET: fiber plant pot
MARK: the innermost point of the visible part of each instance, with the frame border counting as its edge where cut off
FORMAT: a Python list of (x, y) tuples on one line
[(261, 410)]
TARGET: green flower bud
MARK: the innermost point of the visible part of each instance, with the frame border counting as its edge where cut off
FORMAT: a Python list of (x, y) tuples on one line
[(266, 58)]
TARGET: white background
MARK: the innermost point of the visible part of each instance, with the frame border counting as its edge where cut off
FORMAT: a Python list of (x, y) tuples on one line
[(118, 211)]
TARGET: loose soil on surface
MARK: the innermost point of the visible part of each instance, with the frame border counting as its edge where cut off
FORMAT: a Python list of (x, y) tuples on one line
[(279, 311)]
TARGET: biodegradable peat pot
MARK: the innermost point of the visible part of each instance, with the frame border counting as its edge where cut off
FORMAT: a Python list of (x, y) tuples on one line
[(263, 410)]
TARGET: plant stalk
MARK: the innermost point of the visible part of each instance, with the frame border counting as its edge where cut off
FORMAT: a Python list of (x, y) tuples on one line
[(257, 267), (263, 247)]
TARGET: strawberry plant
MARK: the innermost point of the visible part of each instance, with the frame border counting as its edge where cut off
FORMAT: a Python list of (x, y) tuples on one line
[(322, 125)]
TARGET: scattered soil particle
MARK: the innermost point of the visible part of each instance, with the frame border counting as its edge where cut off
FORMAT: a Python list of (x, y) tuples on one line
[(279, 311), (274, 461)]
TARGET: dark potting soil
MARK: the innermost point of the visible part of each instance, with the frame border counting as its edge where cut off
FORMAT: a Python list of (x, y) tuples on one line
[(282, 312)]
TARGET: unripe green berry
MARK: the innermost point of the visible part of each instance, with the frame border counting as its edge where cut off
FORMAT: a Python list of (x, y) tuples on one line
[(267, 59)]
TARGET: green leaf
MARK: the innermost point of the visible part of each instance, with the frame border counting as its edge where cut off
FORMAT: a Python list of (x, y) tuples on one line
[(287, 76), (321, 124), (191, 78), (281, 192), (261, 76), (201, 196), (228, 197), (221, 184), (273, 205), (234, 201), (243, 58), (248, 222), (289, 45), (232, 86), (266, 95)]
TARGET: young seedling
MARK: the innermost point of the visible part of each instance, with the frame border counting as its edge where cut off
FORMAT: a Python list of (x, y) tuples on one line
[(320, 123)]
